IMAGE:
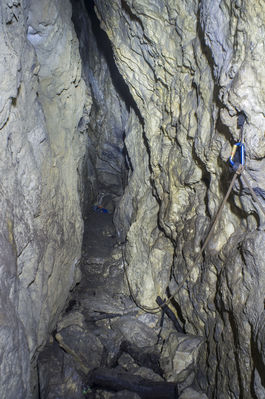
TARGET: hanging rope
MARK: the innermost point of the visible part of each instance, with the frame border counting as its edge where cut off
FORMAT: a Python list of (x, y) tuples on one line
[(157, 309), (237, 173), (238, 166)]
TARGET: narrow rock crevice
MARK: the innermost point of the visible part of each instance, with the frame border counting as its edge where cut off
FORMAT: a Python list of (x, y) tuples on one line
[(102, 326), (117, 125), (104, 47)]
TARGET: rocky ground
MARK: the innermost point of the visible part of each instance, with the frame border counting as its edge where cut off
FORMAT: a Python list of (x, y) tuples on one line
[(103, 330)]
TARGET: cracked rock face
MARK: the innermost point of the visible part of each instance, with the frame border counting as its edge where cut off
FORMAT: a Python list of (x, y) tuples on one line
[(192, 68), (42, 99), (105, 174)]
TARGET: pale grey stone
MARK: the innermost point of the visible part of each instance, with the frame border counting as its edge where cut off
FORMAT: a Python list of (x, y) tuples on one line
[(42, 99), (191, 67), (179, 356), (190, 81)]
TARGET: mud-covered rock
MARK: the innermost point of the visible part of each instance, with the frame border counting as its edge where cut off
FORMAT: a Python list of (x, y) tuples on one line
[(135, 331)]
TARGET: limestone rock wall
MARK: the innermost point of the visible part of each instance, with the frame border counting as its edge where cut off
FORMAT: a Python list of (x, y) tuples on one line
[(41, 102), (192, 67)]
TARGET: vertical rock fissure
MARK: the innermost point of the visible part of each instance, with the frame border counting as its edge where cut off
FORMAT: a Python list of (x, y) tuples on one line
[(101, 321), (190, 65), (131, 123), (108, 161)]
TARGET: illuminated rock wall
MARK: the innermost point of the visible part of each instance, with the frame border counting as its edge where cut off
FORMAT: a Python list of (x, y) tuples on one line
[(192, 68), (41, 102)]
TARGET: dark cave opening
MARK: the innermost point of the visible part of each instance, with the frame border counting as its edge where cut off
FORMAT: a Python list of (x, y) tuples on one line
[(107, 158), (105, 47), (87, 335)]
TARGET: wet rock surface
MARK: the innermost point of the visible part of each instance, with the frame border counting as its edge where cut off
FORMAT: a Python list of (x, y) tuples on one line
[(104, 343)]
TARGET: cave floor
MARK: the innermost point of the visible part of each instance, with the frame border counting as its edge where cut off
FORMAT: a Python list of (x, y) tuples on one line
[(102, 329)]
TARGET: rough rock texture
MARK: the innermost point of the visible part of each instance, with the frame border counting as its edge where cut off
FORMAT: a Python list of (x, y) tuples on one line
[(106, 174), (41, 102), (102, 333), (192, 68)]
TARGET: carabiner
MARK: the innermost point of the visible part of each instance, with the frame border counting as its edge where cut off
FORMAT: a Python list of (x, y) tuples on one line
[(238, 147)]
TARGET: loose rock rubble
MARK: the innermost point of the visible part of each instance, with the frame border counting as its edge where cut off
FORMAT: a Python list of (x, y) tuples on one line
[(102, 329), (137, 100)]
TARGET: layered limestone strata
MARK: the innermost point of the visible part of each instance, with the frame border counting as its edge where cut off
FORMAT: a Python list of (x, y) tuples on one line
[(41, 102), (192, 68)]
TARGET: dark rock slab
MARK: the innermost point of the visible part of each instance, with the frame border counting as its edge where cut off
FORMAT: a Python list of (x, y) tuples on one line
[(85, 348), (135, 331), (116, 380), (58, 378), (125, 394), (146, 357)]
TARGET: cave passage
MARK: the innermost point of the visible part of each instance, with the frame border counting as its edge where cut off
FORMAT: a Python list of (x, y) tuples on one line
[(121, 124), (105, 48), (107, 164), (101, 326)]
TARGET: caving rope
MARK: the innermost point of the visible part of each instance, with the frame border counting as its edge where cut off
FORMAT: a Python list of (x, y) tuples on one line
[(237, 162)]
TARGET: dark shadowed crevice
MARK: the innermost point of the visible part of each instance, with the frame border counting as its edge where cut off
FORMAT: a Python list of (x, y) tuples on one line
[(105, 47), (101, 74), (235, 333)]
